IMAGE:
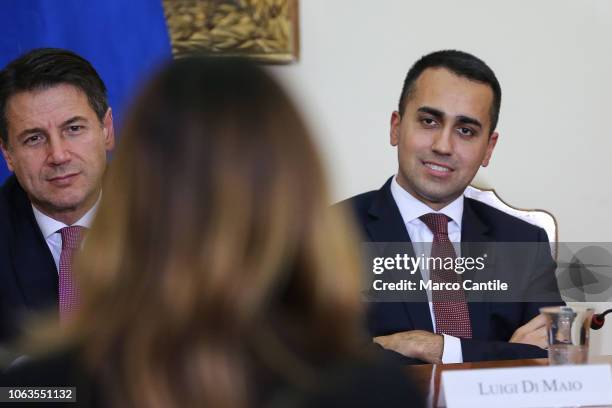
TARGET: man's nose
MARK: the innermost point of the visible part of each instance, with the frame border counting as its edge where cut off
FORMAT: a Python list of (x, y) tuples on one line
[(58, 150), (442, 142)]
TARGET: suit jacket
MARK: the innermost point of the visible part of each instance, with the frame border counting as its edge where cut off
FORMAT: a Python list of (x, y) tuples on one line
[(28, 275), (493, 323)]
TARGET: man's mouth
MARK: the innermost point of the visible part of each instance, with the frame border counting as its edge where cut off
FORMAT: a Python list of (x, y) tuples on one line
[(64, 179), (438, 167)]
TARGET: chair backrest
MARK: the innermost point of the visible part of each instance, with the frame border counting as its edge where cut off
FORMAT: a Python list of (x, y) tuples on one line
[(539, 218)]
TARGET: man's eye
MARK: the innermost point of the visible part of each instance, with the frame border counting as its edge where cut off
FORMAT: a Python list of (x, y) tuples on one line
[(465, 131), (429, 122), (33, 140), (75, 128)]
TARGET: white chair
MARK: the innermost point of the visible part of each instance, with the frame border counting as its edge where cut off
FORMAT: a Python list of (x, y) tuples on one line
[(540, 218)]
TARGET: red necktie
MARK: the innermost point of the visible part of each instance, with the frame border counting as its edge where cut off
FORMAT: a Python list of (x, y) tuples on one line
[(68, 291), (449, 306)]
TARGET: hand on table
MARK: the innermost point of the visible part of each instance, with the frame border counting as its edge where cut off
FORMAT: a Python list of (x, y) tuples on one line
[(532, 332), (419, 344)]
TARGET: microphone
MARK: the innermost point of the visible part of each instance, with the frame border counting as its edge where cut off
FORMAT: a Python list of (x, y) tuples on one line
[(599, 319)]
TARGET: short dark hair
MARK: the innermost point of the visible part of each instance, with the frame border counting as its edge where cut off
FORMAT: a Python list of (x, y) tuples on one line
[(44, 68), (460, 63)]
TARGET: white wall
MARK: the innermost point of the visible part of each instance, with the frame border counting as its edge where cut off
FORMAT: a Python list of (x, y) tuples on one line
[(554, 62)]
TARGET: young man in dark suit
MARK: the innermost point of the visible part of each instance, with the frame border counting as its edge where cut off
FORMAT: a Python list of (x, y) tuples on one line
[(444, 130), (55, 131)]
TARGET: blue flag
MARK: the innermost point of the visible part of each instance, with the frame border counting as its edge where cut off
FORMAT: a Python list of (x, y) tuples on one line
[(125, 40)]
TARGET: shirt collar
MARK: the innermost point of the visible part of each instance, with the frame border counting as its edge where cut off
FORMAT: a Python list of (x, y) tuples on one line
[(411, 209), (49, 226)]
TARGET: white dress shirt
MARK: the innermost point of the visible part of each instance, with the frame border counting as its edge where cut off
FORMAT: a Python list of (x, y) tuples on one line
[(50, 229), (411, 209)]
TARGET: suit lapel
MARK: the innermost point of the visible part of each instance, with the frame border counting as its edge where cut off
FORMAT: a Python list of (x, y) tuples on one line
[(386, 225), (475, 238), (473, 228), (385, 222), (35, 268)]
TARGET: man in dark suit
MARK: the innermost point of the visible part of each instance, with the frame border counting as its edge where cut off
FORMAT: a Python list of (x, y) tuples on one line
[(444, 131), (55, 131)]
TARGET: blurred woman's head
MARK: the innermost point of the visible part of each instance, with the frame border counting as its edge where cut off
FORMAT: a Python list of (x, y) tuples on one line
[(214, 243)]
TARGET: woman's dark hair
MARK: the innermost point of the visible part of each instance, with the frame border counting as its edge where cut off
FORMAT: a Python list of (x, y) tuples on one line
[(214, 244)]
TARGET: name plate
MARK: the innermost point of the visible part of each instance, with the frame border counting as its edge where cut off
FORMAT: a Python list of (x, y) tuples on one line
[(550, 386)]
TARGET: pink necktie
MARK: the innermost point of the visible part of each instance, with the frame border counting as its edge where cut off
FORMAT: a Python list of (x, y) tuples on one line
[(68, 291), (450, 307)]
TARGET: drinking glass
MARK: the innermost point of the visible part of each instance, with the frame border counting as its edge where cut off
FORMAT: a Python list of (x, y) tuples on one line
[(568, 330)]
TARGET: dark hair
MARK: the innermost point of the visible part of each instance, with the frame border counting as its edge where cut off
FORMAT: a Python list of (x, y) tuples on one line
[(217, 193), (460, 63), (43, 68)]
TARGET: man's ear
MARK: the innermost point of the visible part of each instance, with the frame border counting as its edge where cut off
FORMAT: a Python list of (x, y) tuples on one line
[(394, 128), (7, 155), (490, 146), (108, 130)]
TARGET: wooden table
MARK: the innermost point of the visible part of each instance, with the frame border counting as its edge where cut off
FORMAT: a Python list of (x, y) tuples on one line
[(427, 376)]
